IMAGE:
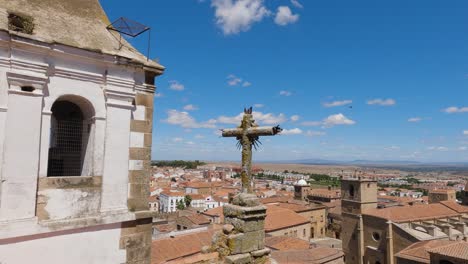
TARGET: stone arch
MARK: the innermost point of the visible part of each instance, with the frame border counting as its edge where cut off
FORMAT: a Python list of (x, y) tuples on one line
[(70, 148)]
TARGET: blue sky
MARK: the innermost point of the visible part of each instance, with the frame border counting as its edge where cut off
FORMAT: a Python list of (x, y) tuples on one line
[(380, 80)]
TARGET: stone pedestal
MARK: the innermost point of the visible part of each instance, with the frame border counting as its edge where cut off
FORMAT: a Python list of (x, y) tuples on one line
[(244, 230)]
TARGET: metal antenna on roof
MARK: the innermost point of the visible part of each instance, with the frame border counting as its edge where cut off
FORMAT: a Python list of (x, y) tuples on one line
[(132, 29)]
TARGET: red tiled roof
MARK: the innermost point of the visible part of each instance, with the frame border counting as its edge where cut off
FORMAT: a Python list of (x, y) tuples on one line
[(278, 218), (299, 208), (218, 211), (314, 255), (455, 206), (198, 219), (411, 213), (420, 251), (173, 193), (286, 243), (458, 250), (166, 249)]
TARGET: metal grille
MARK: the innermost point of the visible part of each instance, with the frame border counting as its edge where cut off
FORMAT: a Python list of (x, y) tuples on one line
[(65, 152), (66, 140)]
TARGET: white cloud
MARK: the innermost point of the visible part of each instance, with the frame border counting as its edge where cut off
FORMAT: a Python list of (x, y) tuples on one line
[(296, 4), (338, 119), (392, 148), (284, 16), (234, 16), (311, 133), (190, 143), (294, 131), (414, 119), (337, 103), (454, 109), (465, 132), (261, 118), (295, 118), (158, 95), (233, 80), (176, 86), (177, 139), (185, 120), (258, 105), (311, 123), (198, 136), (382, 102), (438, 148), (462, 148), (190, 107), (285, 93)]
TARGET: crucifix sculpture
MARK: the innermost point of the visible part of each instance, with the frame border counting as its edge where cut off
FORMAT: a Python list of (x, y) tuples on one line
[(248, 134)]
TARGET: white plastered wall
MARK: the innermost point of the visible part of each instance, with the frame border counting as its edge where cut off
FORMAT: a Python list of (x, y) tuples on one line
[(100, 247)]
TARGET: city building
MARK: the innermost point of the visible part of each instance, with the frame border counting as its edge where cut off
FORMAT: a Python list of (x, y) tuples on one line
[(439, 195), (392, 235), (168, 201), (76, 104)]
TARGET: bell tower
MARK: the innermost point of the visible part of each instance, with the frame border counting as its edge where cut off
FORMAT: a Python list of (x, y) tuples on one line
[(301, 189), (358, 194)]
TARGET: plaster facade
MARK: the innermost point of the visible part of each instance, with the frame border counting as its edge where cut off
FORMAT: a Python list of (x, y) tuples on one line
[(101, 212)]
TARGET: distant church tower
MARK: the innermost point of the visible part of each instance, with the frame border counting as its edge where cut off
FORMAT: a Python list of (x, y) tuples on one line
[(76, 114), (358, 194), (301, 189)]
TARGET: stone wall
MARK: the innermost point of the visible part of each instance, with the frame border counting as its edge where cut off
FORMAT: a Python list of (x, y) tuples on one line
[(300, 231)]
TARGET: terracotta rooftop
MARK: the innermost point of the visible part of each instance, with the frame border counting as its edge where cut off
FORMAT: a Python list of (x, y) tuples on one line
[(81, 24), (286, 243), (172, 248), (299, 208), (218, 211), (313, 256), (458, 250), (198, 219), (278, 218), (455, 206), (172, 193), (412, 213), (420, 251)]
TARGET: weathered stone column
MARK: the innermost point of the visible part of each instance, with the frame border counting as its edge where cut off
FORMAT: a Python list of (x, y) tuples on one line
[(246, 239)]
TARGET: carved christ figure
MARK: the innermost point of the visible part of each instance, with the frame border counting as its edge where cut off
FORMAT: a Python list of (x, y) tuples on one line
[(248, 135)]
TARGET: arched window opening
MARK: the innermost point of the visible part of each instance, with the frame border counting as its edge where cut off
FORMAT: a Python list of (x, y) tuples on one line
[(351, 190), (68, 140)]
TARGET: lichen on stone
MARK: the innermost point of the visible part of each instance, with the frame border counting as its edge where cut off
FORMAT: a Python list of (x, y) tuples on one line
[(21, 23)]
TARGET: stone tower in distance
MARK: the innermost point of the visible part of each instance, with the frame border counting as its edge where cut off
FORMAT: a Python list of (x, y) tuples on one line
[(301, 190), (358, 195)]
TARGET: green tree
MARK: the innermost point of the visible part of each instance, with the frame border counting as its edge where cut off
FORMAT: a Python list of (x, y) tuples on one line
[(188, 200), (180, 205)]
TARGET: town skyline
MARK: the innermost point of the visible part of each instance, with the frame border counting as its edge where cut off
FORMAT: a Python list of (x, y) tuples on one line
[(348, 81)]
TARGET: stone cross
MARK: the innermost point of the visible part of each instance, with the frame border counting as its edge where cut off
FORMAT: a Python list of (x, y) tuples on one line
[(248, 134)]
